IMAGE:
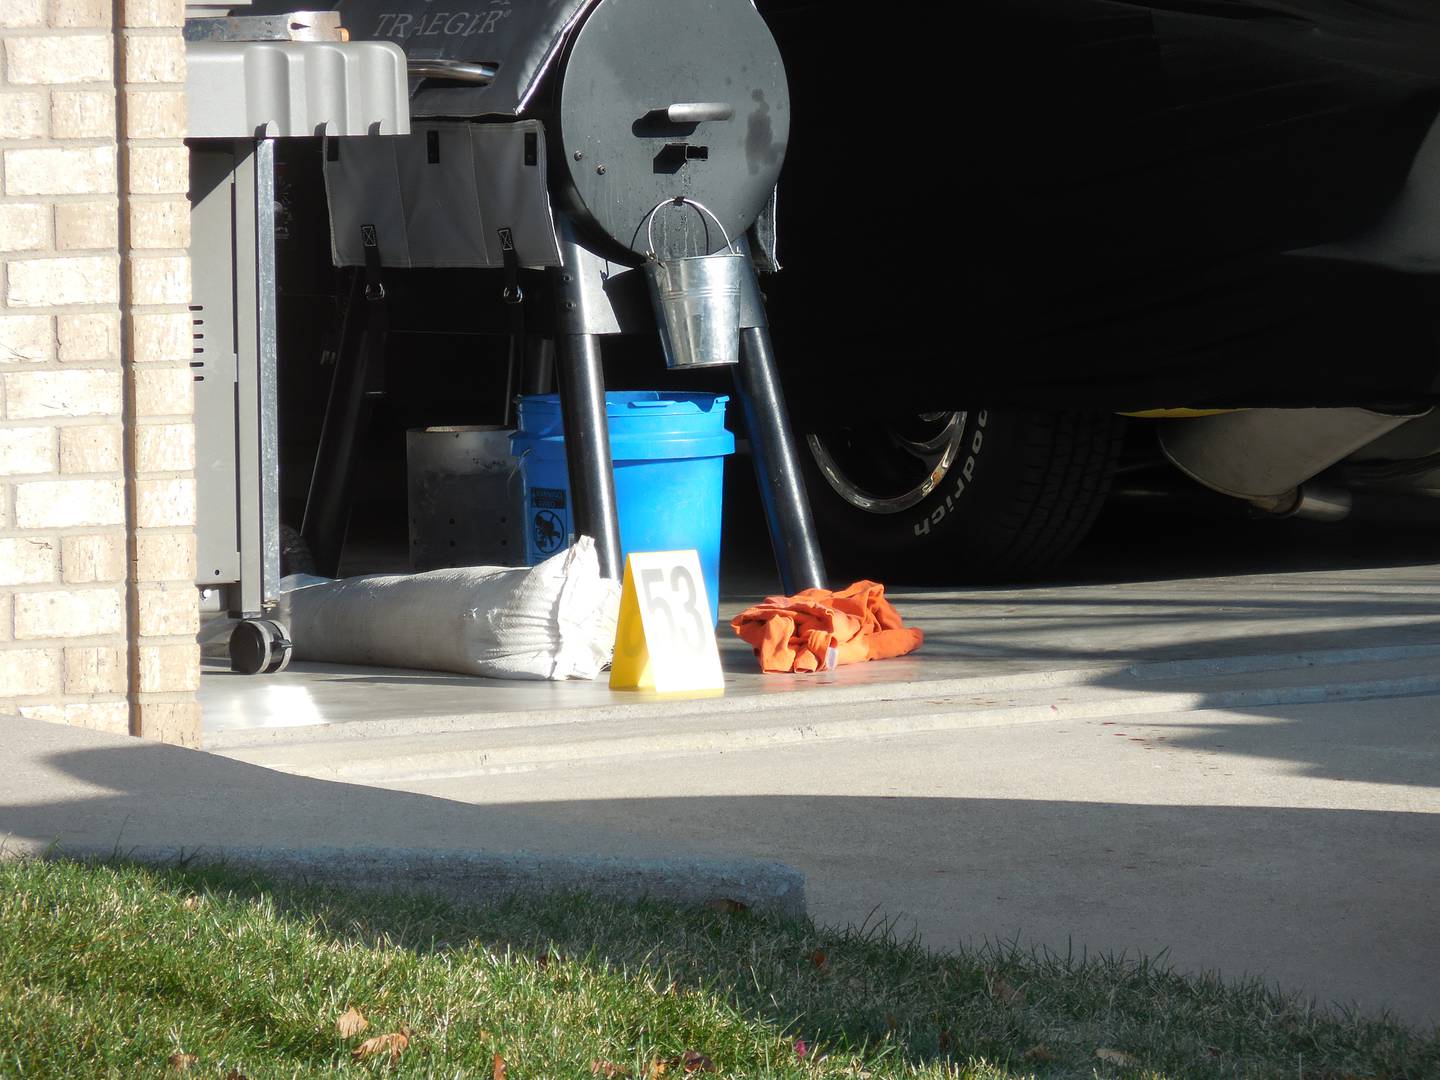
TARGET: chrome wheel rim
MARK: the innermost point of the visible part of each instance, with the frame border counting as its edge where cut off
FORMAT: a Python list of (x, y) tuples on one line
[(889, 468)]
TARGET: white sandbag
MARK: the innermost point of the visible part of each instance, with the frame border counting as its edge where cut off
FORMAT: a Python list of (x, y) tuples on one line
[(552, 621)]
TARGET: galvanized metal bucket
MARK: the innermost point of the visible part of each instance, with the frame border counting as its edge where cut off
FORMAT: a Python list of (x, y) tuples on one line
[(696, 298)]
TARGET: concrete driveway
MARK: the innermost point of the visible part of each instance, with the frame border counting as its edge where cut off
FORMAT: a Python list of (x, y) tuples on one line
[(1300, 844), (1242, 773)]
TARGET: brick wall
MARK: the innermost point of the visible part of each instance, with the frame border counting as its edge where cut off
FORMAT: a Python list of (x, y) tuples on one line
[(98, 611)]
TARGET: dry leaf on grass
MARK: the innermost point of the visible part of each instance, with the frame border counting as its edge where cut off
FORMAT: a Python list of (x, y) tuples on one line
[(945, 1042), (393, 1044), (1116, 1057), (609, 1070), (694, 1061), (192, 903), (181, 1062), (725, 906), (1007, 994), (657, 1068), (497, 1067), (819, 959), (1039, 1052), (351, 1023), (236, 1074)]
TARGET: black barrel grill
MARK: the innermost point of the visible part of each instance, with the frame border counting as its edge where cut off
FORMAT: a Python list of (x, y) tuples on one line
[(543, 133)]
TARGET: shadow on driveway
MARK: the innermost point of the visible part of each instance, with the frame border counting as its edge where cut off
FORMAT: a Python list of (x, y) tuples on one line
[(1343, 904)]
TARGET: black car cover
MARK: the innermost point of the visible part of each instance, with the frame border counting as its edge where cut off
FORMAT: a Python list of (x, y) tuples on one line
[(1099, 202)]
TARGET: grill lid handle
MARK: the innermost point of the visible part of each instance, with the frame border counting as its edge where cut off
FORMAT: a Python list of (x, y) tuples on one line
[(697, 112), (466, 71)]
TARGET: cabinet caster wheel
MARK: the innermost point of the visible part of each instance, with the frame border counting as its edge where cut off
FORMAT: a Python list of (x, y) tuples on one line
[(259, 646)]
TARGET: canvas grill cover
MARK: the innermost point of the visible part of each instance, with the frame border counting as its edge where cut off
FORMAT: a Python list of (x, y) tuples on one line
[(439, 196)]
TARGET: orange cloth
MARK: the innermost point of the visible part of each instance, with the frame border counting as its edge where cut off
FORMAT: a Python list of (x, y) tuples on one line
[(793, 633)]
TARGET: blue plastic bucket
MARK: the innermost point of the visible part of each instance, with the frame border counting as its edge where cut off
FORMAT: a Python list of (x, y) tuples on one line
[(668, 452)]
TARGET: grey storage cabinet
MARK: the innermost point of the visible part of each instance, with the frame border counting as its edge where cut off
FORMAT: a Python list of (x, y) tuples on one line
[(242, 96)]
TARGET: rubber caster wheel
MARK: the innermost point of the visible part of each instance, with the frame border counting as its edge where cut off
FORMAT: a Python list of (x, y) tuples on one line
[(259, 646)]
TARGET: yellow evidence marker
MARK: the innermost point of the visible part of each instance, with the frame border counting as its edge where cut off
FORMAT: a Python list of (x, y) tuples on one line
[(664, 639)]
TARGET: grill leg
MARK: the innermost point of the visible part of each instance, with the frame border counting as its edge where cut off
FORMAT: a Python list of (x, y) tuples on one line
[(587, 447), (538, 374), (353, 391), (777, 466)]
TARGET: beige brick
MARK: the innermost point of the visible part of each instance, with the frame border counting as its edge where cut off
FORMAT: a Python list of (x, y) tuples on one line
[(80, 13), (163, 337), (160, 224), (164, 448), (168, 13), (154, 59), (174, 722), (65, 613), (165, 557), (4, 616), (26, 339), (64, 504), (60, 58), (159, 170), (29, 672), (82, 114), (160, 279), (24, 227), (86, 225), (109, 716), (85, 560), (170, 612), (164, 391), (26, 450), (75, 279), (90, 449), (88, 170), (91, 670), (163, 504), (22, 14), (155, 114), (29, 560), (35, 394), (169, 669), (91, 336), (22, 115)]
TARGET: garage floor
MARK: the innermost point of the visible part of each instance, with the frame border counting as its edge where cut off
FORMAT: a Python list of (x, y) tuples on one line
[(977, 641), (1172, 573)]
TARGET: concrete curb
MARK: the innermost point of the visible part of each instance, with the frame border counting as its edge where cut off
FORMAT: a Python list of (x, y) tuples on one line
[(477, 878), (815, 694), (566, 740)]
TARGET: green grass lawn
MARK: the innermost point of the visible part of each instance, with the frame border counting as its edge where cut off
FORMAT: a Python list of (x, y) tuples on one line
[(120, 971)]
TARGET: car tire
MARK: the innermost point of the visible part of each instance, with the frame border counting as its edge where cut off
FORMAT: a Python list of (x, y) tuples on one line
[(974, 496)]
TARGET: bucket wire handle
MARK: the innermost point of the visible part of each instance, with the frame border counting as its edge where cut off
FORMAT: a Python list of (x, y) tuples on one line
[(681, 200)]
